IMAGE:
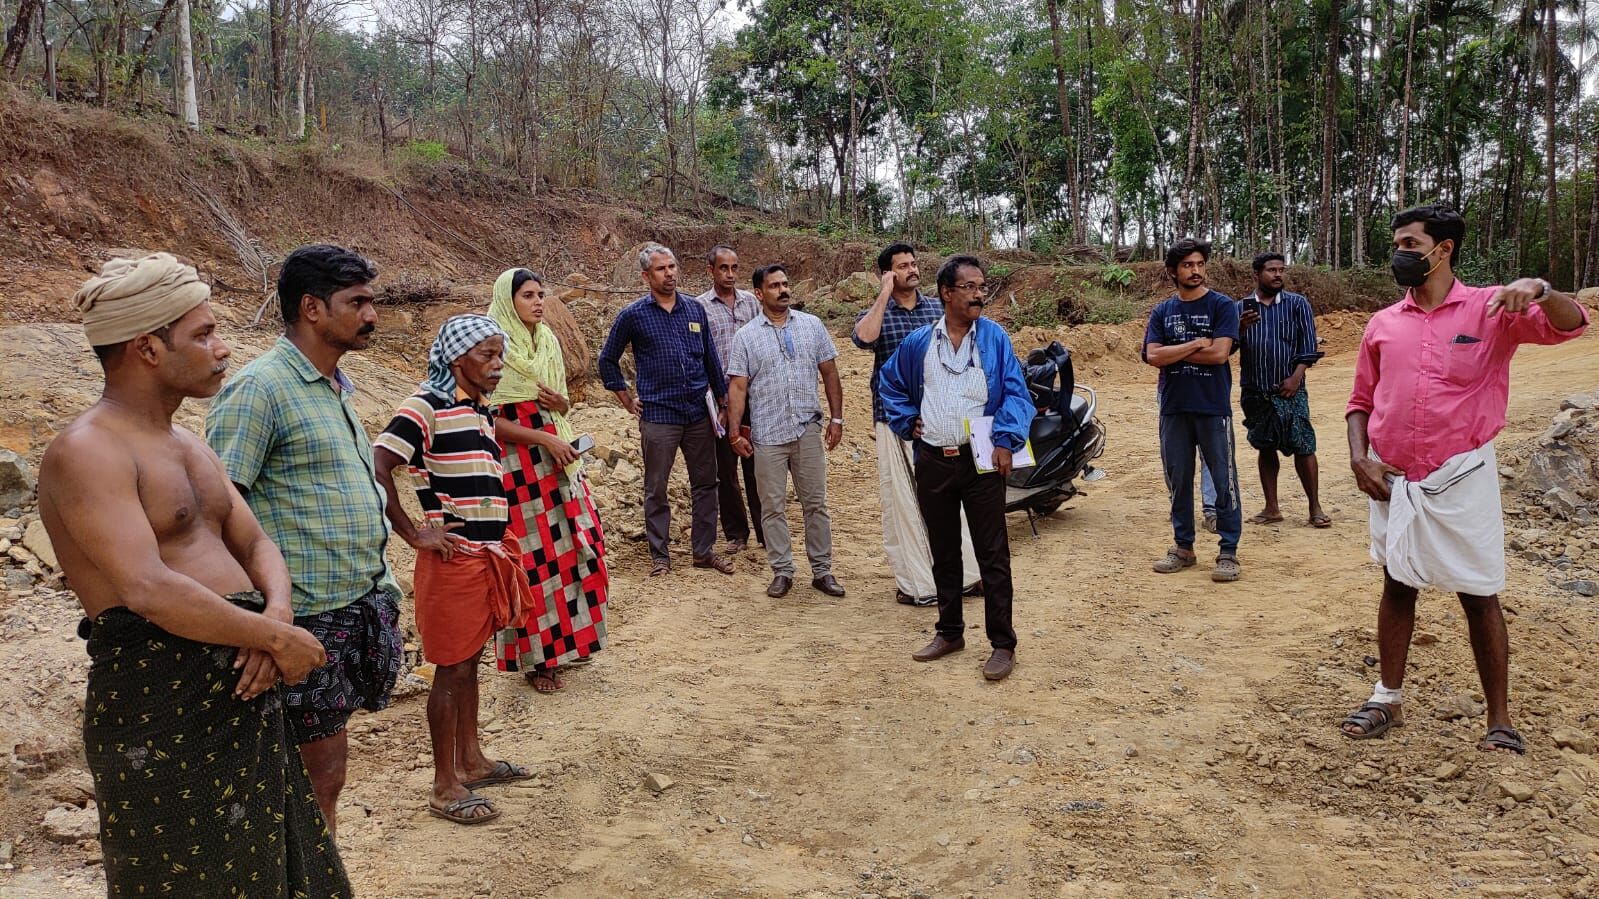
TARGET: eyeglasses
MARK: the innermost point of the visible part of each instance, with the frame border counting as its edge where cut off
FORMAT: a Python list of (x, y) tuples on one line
[(972, 286)]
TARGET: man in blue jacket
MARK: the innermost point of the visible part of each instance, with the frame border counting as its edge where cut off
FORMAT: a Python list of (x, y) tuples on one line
[(943, 375)]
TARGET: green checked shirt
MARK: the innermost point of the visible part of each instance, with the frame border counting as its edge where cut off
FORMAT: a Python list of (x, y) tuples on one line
[(289, 438)]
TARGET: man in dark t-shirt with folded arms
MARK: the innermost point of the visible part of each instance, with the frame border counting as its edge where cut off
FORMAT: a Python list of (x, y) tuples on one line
[(1189, 338)]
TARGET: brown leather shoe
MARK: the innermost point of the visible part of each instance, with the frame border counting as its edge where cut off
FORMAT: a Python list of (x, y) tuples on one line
[(939, 648), (720, 563), (828, 584), (1000, 664), (780, 586)]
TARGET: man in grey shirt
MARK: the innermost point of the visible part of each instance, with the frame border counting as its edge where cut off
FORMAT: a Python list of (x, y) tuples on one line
[(729, 309), (773, 366)]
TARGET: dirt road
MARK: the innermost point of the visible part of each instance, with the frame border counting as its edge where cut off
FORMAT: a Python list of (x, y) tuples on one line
[(1162, 736)]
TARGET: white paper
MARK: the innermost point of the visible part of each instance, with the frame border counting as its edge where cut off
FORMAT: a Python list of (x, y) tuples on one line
[(982, 434), (716, 422)]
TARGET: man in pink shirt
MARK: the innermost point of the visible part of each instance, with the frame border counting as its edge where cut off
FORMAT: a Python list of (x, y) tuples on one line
[(1431, 385)]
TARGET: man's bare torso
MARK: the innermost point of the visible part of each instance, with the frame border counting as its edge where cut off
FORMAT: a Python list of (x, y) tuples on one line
[(181, 487)]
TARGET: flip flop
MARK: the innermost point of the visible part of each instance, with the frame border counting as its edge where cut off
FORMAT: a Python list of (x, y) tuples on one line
[(660, 567), (1263, 518), (547, 675), (504, 772), (1374, 719), (1321, 521), (452, 812), (1503, 739)]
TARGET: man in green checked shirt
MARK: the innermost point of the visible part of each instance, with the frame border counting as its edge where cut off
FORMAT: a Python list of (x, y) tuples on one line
[(287, 434)]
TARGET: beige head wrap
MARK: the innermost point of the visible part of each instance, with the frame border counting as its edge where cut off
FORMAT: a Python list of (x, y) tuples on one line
[(136, 296)]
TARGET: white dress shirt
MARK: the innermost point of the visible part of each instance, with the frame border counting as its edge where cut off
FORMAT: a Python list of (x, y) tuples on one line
[(955, 387)]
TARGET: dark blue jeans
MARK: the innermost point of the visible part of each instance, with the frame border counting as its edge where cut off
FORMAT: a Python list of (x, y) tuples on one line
[(1212, 435)]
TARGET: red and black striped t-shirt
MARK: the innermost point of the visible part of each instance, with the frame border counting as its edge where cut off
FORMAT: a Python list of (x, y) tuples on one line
[(450, 450)]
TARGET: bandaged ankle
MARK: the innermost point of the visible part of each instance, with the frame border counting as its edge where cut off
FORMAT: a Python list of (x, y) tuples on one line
[(1386, 696)]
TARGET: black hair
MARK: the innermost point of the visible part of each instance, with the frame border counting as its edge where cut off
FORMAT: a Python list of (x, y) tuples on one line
[(109, 352), (710, 255), (950, 270), (320, 270), (1440, 221), (521, 277), (885, 259), (1260, 261), (759, 277), (1184, 248)]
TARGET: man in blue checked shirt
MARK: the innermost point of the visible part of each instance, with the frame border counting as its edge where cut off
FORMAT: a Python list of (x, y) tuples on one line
[(675, 364), (1277, 345)]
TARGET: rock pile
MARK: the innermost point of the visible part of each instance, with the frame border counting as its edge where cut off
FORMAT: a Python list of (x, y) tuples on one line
[(1552, 496), (26, 555), (615, 469)]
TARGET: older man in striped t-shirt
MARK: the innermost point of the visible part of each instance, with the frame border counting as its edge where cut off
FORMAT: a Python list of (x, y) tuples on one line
[(469, 577)]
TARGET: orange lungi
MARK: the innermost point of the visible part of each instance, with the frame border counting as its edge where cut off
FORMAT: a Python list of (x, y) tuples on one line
[(462, 602)]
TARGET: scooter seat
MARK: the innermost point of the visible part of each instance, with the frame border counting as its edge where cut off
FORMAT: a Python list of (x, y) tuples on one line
[(1046, 428), (1079, 408)]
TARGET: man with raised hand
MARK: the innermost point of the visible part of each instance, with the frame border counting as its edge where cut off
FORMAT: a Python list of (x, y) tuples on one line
[(1431, 385)]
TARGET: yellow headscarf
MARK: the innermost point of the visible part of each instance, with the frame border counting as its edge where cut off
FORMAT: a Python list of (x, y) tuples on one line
[(531, 358)]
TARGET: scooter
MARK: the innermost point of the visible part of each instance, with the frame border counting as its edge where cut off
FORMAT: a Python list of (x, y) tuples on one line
[(1066, 436)]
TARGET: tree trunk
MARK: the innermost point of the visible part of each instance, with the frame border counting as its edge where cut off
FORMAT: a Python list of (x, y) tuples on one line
[(1326, 252), (1551, 209), (136, 74), (278, 44), (17, 37), (1590, 268), (1061, 99), (1578, 275), (187, 101), (1185, 209), (302, 66), (1402, 183)]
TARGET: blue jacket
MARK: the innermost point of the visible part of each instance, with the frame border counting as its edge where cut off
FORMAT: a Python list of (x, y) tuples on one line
[(1009, 402)]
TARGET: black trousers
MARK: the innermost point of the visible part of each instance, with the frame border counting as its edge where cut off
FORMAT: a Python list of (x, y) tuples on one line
[(945, 485), (734, 525)]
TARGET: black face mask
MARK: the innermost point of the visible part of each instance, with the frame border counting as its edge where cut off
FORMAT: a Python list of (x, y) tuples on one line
[(1411, 268)]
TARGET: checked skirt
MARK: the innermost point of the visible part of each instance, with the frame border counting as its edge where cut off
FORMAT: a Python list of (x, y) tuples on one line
[(563, 553)]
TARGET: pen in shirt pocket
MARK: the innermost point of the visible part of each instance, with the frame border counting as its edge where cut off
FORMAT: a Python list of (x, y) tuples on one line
[(1466, 338)]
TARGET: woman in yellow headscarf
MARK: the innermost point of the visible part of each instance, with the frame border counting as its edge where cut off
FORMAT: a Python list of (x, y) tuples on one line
[(552, 511)]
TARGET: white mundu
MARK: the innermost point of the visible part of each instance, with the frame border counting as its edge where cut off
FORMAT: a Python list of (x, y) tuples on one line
[(904, 532), (1447, 530)]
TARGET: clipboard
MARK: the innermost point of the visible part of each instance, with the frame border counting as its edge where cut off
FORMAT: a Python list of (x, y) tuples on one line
[(980, 431)]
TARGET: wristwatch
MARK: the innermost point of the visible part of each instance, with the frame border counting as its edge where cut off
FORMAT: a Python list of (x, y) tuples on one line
[(1543, 288), (838, 421)]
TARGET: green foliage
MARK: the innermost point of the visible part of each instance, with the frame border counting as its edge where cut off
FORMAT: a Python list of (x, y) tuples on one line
[(1039, 310), (428, 151), (1116, 276), (1105, 307)]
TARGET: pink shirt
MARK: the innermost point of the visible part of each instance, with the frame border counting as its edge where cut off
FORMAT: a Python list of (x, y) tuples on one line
[(1436, 383)]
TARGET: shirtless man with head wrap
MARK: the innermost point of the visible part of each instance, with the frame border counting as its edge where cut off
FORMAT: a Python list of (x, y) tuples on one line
[(187, 613)]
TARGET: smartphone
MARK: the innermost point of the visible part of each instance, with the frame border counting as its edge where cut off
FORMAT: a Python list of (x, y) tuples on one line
[(1252, 304), (583, 443)]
